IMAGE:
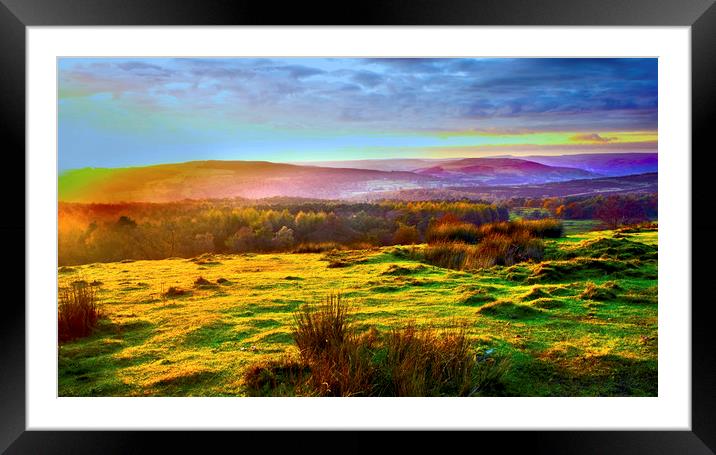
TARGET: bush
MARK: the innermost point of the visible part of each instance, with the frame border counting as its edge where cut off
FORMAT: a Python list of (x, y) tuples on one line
[(78, 311)]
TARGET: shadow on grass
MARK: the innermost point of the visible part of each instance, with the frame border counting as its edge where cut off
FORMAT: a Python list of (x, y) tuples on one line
[(89, 366), (595, 376)]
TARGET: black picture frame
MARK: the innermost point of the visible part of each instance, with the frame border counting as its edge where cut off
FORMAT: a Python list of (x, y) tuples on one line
[(16, 15)]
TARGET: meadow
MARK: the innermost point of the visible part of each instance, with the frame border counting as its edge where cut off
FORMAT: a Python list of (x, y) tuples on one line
[(580, 321)]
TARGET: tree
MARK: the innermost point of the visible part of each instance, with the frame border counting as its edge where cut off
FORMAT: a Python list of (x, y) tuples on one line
[(283, 238), (616, 211)]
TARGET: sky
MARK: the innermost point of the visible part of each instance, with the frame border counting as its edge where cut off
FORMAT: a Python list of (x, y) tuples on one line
[(118, 112)]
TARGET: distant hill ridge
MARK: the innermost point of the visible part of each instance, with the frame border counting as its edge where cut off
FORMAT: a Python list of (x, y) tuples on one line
[(214, 179)]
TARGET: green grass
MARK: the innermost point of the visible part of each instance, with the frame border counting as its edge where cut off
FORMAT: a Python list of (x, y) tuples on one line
[(560, 339)]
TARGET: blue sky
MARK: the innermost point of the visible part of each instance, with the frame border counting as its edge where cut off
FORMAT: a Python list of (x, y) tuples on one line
[(117, 112)]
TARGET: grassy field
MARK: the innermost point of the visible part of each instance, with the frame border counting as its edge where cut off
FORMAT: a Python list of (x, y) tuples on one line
[(581, 323)]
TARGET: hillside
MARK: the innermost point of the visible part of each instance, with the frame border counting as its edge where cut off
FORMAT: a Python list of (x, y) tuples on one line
[(502, 171), (261, 179), (630, 184), (607, 164), (227, 179)]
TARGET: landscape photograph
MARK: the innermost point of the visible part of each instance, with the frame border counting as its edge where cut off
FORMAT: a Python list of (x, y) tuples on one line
[(357, 227)]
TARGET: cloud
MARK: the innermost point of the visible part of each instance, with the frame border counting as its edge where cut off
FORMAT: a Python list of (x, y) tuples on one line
[(394, 93), (367, 78), (594, 137)]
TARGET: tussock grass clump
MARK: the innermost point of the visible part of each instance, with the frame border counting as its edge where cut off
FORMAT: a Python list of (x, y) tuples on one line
[(509, 310), (547, 303), (336, 360), (497, 249), (454, 232), (640, 227), (547, 228), (537, 292), (579, 268), (339, 362), (476, 297), (175, 292), (340, 259), (78, 311), (464, 246), (201, 281), (432, 363), (610, 248), (398, 270), (604, 292), (648, 296), (470, 233)]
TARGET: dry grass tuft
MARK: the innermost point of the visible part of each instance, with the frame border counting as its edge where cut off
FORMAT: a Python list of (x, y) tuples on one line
[(78, 311)]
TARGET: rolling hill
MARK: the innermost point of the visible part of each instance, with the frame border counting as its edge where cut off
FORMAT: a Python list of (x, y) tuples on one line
[(502, 171), (630, 184), (606, 164), (262, 179), (227, 179)]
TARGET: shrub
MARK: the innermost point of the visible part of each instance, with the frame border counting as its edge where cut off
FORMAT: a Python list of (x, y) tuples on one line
[(78, 311)]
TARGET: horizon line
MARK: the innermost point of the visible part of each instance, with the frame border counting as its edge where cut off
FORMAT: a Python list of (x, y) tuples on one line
[(360, 159)]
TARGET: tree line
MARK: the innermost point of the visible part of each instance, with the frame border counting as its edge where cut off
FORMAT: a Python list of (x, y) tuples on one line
[(112, 232)]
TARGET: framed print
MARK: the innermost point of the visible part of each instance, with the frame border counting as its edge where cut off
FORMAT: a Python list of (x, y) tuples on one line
[(407, 218)]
